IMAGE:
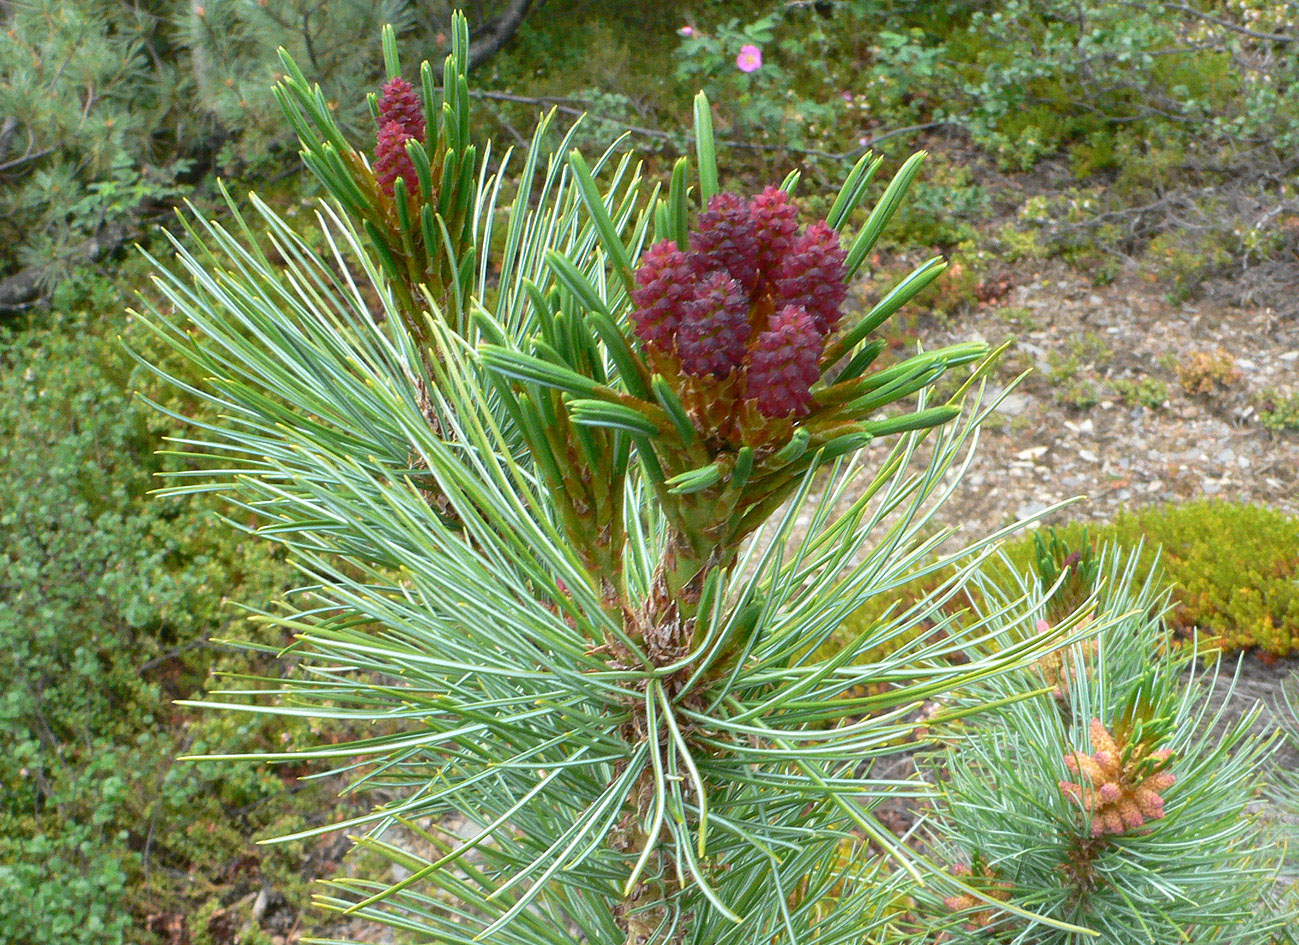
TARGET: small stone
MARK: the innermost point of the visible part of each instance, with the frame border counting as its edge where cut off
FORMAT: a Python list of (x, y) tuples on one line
[(1014, 405), (1029, 509), (1290, 356), (1088, 456), (1087, 426), (1033, 452)]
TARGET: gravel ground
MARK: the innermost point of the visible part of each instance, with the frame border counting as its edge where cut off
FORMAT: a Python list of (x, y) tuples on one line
[(1115, 455)]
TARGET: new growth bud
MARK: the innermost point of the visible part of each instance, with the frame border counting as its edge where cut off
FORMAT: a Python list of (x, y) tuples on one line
[(391, 160), (1119, 795), (985, 877), (784, 366)]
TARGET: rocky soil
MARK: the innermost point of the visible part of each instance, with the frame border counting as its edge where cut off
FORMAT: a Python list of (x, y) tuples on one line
[(1117, 454)]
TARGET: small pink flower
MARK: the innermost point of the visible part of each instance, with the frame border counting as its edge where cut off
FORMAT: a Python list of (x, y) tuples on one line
[(686, 31), (749, 59)]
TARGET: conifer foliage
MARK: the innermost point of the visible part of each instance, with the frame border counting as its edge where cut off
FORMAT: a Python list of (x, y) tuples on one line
[(578, 506), (1115, 796)]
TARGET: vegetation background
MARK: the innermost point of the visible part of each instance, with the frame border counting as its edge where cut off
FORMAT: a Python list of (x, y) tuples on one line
[(1081, 148)]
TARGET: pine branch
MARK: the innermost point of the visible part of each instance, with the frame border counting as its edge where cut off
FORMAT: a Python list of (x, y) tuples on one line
[(491, 39)]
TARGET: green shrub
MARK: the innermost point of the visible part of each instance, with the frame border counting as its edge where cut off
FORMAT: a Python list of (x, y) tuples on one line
[(1183, 261), (1149, 392), (1206, 372), (110, 601), (782, 100), (1279, 412), (1233, 570)]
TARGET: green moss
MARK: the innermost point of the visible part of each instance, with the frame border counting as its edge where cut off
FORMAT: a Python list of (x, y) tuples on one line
[(1233, 570)]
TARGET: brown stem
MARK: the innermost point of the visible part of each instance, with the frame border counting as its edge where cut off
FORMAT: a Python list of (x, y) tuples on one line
[(493, 37)]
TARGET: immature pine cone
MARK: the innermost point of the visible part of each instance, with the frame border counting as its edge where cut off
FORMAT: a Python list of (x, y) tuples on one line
[(994, 888), (725, 238), (1118, 798), (775, 222), (714, 329), (399, 103), (665, 285), (812, 275), (784, 365), (391, 160)]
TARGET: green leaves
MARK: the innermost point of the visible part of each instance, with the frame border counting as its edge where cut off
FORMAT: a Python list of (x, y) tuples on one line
[(898, 296), (853, 189), (598, 413), (610, 239), (705, 149), (888, 205), (534, 370)]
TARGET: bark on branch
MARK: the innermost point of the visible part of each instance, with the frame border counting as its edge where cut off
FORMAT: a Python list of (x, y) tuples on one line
[(493, 37), (25, 288)]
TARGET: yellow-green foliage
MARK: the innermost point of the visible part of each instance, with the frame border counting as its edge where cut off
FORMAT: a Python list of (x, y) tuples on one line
[(1279, 412), (1233, 569)]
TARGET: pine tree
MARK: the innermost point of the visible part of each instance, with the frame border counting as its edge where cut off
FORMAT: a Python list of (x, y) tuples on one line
[(578, 593), (1109, 788)]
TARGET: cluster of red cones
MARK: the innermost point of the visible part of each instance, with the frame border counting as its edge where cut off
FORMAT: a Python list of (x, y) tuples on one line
[(746, 309)]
